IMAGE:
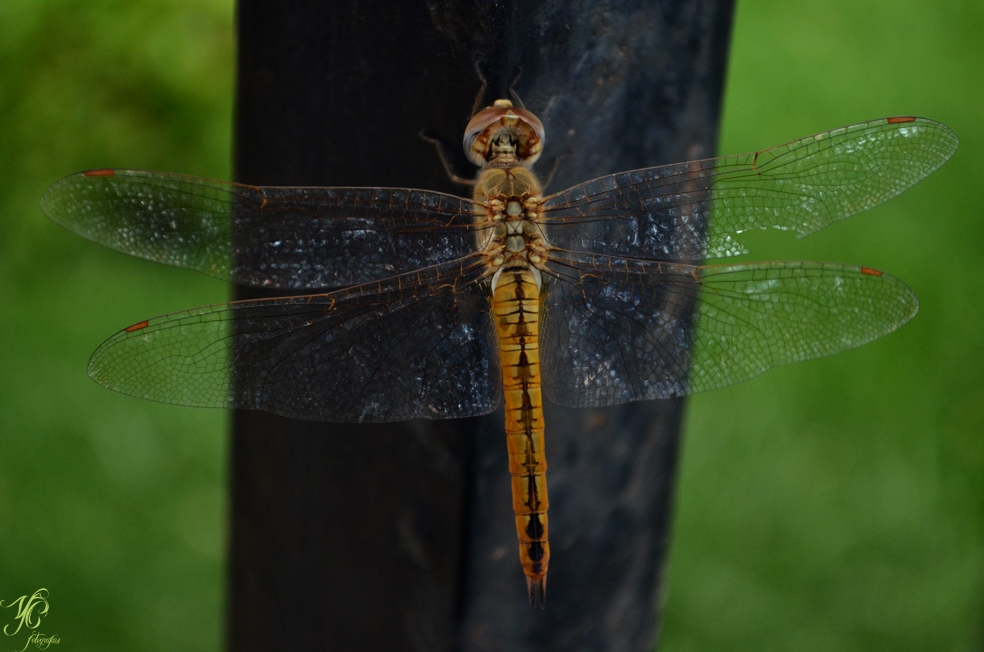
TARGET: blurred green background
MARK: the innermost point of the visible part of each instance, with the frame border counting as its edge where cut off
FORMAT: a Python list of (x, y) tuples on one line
[(831, 505)]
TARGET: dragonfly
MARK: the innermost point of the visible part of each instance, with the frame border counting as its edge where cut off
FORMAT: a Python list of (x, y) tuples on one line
[(429, 305)]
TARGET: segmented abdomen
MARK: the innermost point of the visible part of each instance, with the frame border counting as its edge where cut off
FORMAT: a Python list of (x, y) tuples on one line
[(516, 306)]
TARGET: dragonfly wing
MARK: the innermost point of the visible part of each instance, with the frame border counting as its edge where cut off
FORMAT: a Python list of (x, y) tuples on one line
[(264, 236), (695, 210), (417, 345), (617, 331)]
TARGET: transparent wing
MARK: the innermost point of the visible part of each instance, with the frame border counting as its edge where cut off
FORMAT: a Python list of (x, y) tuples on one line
[(616, 331), (264, 236), (417, 345), (695, 210)]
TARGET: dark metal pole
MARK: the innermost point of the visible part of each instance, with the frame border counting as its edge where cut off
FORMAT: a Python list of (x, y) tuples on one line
[(401, 536)]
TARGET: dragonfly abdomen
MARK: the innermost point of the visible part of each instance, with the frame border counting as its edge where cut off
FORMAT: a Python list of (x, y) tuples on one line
[(516, 306)]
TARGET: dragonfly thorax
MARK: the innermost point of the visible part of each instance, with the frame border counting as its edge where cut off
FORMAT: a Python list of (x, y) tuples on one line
[(511, 207)]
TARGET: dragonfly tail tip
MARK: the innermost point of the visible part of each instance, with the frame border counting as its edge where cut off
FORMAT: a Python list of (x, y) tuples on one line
[(537, 590)]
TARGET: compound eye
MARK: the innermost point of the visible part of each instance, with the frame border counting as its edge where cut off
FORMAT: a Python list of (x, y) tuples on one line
[(535, 128), (478, 133)]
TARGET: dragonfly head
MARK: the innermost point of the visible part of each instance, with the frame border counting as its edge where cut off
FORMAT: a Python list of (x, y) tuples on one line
[(503, 135)]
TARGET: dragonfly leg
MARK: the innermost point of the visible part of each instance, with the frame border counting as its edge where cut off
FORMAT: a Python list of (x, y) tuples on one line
[(446, 159)]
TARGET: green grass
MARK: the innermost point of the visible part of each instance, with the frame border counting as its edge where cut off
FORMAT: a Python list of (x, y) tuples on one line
[(831, 505), (839, 504), (114, 505)]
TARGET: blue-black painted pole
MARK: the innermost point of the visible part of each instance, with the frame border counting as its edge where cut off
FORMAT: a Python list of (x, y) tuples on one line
[(401, 536)]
